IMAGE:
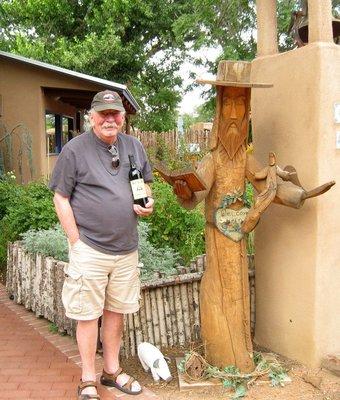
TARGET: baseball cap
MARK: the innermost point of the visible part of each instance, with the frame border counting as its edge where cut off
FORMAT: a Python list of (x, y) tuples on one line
[(107, 100)]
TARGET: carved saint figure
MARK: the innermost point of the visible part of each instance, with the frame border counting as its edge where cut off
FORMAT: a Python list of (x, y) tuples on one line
[(224, 298)]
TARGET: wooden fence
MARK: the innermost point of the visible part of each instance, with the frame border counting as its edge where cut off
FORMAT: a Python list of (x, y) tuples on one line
[(172, 139), (169, 312)]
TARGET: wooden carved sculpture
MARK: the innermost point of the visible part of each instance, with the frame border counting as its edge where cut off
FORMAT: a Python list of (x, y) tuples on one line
[(225, 315), (267, 196)]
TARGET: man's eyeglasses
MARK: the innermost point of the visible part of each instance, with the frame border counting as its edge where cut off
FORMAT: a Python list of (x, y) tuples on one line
[(115, 156)]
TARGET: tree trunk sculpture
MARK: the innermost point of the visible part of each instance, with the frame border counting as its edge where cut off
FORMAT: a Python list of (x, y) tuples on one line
[(224, 301)]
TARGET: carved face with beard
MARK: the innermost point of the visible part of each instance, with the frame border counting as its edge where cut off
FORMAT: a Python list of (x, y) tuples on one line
[(234, 118)]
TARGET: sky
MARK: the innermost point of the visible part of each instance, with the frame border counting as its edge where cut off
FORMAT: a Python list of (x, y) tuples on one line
[(193, 98)]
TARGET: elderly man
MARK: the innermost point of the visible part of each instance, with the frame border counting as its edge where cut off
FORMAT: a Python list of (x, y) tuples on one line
[(94, 203)]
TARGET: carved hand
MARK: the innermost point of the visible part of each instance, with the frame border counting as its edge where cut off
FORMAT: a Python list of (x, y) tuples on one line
[(286, 175)]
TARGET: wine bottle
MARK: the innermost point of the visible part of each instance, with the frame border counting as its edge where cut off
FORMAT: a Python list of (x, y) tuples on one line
[(137, 183)]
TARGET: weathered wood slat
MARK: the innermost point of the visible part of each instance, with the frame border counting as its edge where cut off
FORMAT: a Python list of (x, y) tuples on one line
[(131, 335), (191, 311), (38, 283), (167, 312), (126, 341), (19, 276), (142, 315), (161, 317), (138, 328), (179, 315), (149, 322), (155, 318), (195, 294), (185, 311), (173, 314), (60, 317)]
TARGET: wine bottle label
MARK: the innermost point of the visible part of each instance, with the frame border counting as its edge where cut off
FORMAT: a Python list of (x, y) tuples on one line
[(138, 189)]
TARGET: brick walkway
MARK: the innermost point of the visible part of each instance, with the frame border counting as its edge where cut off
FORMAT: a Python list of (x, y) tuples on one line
[(37, 364)]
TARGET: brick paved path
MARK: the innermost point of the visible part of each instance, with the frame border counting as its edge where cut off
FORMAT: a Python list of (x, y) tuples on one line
[(37, 364)]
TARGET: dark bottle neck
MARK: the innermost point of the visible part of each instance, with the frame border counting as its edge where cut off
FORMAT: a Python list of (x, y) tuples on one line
[(132, 161)]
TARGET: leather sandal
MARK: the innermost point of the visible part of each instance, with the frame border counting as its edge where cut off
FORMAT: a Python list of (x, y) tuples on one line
[(111, 380), (82, 385)]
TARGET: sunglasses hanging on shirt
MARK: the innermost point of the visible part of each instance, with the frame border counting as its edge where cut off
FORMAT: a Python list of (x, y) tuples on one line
[(115, 156)]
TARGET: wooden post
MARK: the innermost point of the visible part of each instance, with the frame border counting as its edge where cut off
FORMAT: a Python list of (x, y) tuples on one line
[(266, 27)]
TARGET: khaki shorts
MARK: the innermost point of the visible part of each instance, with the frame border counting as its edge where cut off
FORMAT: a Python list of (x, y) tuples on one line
[(95, 281)]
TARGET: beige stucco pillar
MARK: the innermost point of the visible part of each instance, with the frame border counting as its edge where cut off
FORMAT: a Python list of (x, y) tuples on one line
[(267, 27), (297, 251), (320, 21)]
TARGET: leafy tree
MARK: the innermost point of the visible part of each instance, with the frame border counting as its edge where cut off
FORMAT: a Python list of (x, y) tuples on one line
[(188, 120), (139, 43), (231, 26), (131, 42), (203, 113), (158, 97), (206, 111)]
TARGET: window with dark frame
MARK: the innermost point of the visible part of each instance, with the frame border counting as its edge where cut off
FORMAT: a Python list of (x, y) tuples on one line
[(59, 130)]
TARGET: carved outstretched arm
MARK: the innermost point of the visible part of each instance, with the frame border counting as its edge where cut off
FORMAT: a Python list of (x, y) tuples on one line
[(206, 171), (288, 193), (264, 198)]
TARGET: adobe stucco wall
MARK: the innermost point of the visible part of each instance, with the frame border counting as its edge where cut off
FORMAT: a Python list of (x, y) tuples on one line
[(23, 101), (298, 251)]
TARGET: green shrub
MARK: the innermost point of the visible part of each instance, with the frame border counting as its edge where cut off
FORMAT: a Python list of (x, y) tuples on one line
[(181, 229), (9, 192), (33, 209), (52, 242), (172, 225), (162, 259), (23, 208), (48, 242)]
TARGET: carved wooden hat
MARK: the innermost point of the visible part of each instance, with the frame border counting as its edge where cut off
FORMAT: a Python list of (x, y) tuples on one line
[(234, 73)]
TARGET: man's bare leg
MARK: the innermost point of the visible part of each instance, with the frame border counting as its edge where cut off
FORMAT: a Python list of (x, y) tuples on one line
[(112, 331), (87, 332)]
